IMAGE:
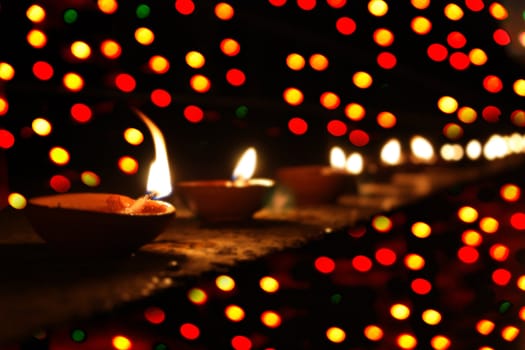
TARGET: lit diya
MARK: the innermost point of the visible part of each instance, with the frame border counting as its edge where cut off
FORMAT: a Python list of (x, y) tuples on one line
[(216, 201), (106, 223), (316, 184)]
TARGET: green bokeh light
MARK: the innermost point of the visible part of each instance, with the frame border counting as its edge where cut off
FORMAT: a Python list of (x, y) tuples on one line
[(78, 335), (504, 307), (241, 111), (336, 298), (70, 16), (143, 11)]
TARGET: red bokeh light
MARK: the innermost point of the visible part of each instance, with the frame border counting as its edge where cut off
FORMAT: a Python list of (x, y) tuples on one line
[(468, 254), (235, 77), (154, 315), (421, 286), (160, 98), (324, 264), (345, 25), (337, 128), (501, 37), (386, 60), (459, 61), (517, 220), (125, 82), (60, 183), (190, 331), (306, 5), (240, 342), (362, 263), (475, 5), (492, 83), (359, 138), (81, 113), (7, 140), (501, 277), (437, 52), (456, 40), (491, 114), (385, 256), (43, 70), (298, 126), (184, 7), (193, 114)]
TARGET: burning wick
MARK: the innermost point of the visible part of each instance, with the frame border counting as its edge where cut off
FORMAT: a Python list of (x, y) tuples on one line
[(139, 204)]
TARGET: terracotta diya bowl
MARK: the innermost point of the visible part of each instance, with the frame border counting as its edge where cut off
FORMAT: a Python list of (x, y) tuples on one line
[(313, 184), (97, 223), (217, 201)]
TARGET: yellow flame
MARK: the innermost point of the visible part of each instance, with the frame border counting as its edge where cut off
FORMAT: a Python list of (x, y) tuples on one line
[(422, 149), (245, 167), (159, 177), (354, 163), (391, 152), (337, 158)]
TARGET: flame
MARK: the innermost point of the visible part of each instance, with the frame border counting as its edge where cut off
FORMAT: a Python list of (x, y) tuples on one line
[(159, 178), (246, 165), (391, 152), (337, 158), (354, 163), (422, 149)]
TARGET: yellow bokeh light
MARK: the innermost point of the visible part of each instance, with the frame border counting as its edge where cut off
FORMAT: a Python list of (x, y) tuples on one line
[(489, 225), (90, 178), (128, 165), (467, 214), (362, 80), (230, 47), (36, 13), (447, 104), (421, 25), (498, 11), (4, 105), (195, 59), (80, 50), (121, 342), (471, 238), (386, 119), (467, 114), (400, 311), (510, 333), (293, 96), (335, 334), (414, 261), (373, 332), (200, 83), (197, 296), (7, 72), (355, 111), (420, 4), (144, 36), (133, 136), (41, 127), (224, 11), (234, 313), (271, 319), (406, 341), (377, 8), (318, 62), (107, 6), (383, 37), (330, 100), (225, 283), (510, 192), (295, 61), (453, 12), (421, 229), (519, 87), (17, 200), (485, 327), (478, 57), (59, 155), (431, 317), (440, 342), (36, 38), (520, 283), (159, 64), (110, 49), (269, 284), (73, 81)]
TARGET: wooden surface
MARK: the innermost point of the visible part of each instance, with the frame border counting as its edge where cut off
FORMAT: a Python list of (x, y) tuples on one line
[(40, 289)]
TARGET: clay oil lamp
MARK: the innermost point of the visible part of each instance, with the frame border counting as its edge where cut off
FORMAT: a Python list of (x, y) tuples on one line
[(227, 201), (321, 184), (106, 224)]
